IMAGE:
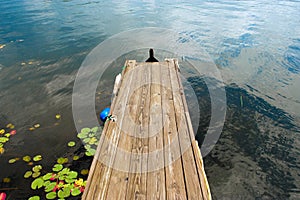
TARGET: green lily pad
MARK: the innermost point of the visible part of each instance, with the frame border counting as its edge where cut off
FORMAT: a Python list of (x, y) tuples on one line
[(57, 167), (92, 135), (37, 168), (75, 157), (84, 171), (46, 183), (51, 195), (70, 180), (37, 183), (75, 192), (64, 171), (27, 174), (13, 160), (62, 160), (87, 153), (94, 130), (47, 176), (37, 158), (85, 130), (86, 140), (72, 174), (27, 158), (50, 187), (82, 135), (36, 174), (64, 193), (34, 198), (3, 139), (93, 140), (71, 144)]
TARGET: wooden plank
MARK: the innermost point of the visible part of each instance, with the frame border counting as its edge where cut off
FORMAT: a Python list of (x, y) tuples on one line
[(99, 177), (137, 187), (193, 187), (175, 185), (155, 179), (120, 173), (196, 151)]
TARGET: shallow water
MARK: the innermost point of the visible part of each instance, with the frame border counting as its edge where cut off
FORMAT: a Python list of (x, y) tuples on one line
[(255, 45)]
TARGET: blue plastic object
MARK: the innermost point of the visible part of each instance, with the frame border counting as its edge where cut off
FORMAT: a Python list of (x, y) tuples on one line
[(104, 114)]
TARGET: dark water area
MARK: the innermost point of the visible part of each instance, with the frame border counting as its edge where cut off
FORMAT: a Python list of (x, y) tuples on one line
[(257, 144), (254, 44)]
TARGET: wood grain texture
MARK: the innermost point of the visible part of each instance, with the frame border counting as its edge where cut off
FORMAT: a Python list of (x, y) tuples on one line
[(150, 151)]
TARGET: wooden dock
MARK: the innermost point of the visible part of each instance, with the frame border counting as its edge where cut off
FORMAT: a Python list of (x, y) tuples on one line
[(148, 149)]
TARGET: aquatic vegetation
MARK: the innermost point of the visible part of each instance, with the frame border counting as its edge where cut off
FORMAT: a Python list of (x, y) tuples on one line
[(36, 172), (71, 144), (62, 160), (90, 137), (6, 180), (61, 183), (5, 134), (57, 116)]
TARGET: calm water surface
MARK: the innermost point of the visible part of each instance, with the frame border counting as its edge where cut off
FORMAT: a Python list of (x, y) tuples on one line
[(255, 44)]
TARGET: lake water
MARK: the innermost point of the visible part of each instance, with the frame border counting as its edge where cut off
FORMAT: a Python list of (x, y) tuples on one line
[(255, 45)]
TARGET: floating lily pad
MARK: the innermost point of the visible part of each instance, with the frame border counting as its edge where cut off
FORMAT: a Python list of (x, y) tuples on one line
[(95, 129), (27, 174), (85, 130), (51, 195), (3, 139), (57, 116), (2, 150), (62, 160), (27, 158), (47, 176), (93, 140), (10, 125), (2, 131), (34, 198), (64, 193), (75, 192), (71, 144), (37, 168), (37, 158), (57, 167), (72, 175), (84, 171), (82, 135), (13, 160), (6, 180), (75, 157), (36, 174), (50, 187), (37, 183)]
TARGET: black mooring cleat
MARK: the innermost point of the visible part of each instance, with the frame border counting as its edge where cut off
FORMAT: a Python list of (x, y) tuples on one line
[(151, 57)]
